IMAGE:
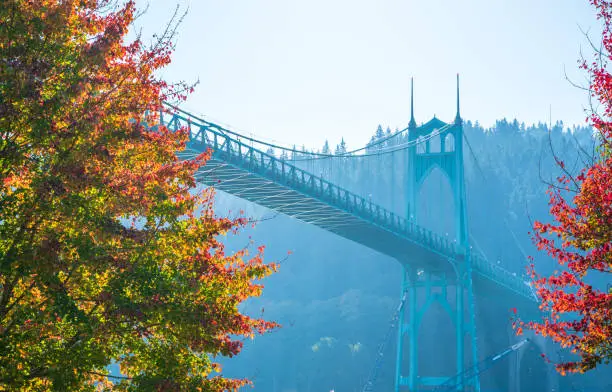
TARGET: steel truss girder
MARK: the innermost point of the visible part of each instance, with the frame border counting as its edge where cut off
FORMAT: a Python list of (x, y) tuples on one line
[(240, 167), (250, 173)]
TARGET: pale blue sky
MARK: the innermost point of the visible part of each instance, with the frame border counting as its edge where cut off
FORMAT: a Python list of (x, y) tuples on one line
[(305, 71)]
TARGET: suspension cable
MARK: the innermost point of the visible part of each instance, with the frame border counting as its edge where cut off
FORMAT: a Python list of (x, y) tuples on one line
[(484, 177), (309, 153), (369, 384), (384, 150)]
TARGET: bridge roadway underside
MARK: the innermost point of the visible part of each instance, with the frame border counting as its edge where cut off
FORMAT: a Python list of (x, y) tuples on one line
[(289, 201), (271, 193)]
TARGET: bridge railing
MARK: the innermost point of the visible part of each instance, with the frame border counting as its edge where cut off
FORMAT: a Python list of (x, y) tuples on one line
[(502, 276), (227, 147), (205, 135)]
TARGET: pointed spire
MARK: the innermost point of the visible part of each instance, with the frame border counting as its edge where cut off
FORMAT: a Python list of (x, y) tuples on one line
[(458, 116), (412, 123)]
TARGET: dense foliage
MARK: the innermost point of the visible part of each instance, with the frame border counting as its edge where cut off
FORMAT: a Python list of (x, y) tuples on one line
[(106, 252), (580, 237)]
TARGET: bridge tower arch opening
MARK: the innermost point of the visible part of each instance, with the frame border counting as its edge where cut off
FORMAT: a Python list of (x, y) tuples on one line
[(435, 203), (437, 150)]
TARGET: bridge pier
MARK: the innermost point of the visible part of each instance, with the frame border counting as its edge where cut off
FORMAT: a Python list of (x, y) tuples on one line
[(438, 145), (426, 288)]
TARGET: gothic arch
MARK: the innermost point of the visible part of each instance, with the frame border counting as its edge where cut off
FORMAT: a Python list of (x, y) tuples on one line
[(435, 142), (431, 168), (435, 202), (421, 147), (421, 163), (449, 142), (448, 162), (436, 332)]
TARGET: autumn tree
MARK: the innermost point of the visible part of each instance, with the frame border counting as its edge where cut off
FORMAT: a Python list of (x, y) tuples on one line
[(106, 251), (579, 315)]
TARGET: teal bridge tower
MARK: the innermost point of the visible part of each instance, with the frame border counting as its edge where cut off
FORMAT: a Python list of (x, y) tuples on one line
[(445, 151), (435, 269)]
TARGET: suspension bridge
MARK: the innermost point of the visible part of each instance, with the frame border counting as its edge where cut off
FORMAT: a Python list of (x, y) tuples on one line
[(446, 270)]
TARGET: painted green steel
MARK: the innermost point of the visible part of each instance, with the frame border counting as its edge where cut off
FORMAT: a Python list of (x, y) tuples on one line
[(239, 168), (247, 172), (445, 152)]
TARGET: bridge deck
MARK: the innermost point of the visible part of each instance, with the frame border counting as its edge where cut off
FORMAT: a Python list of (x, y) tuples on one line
[(249, 173)]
